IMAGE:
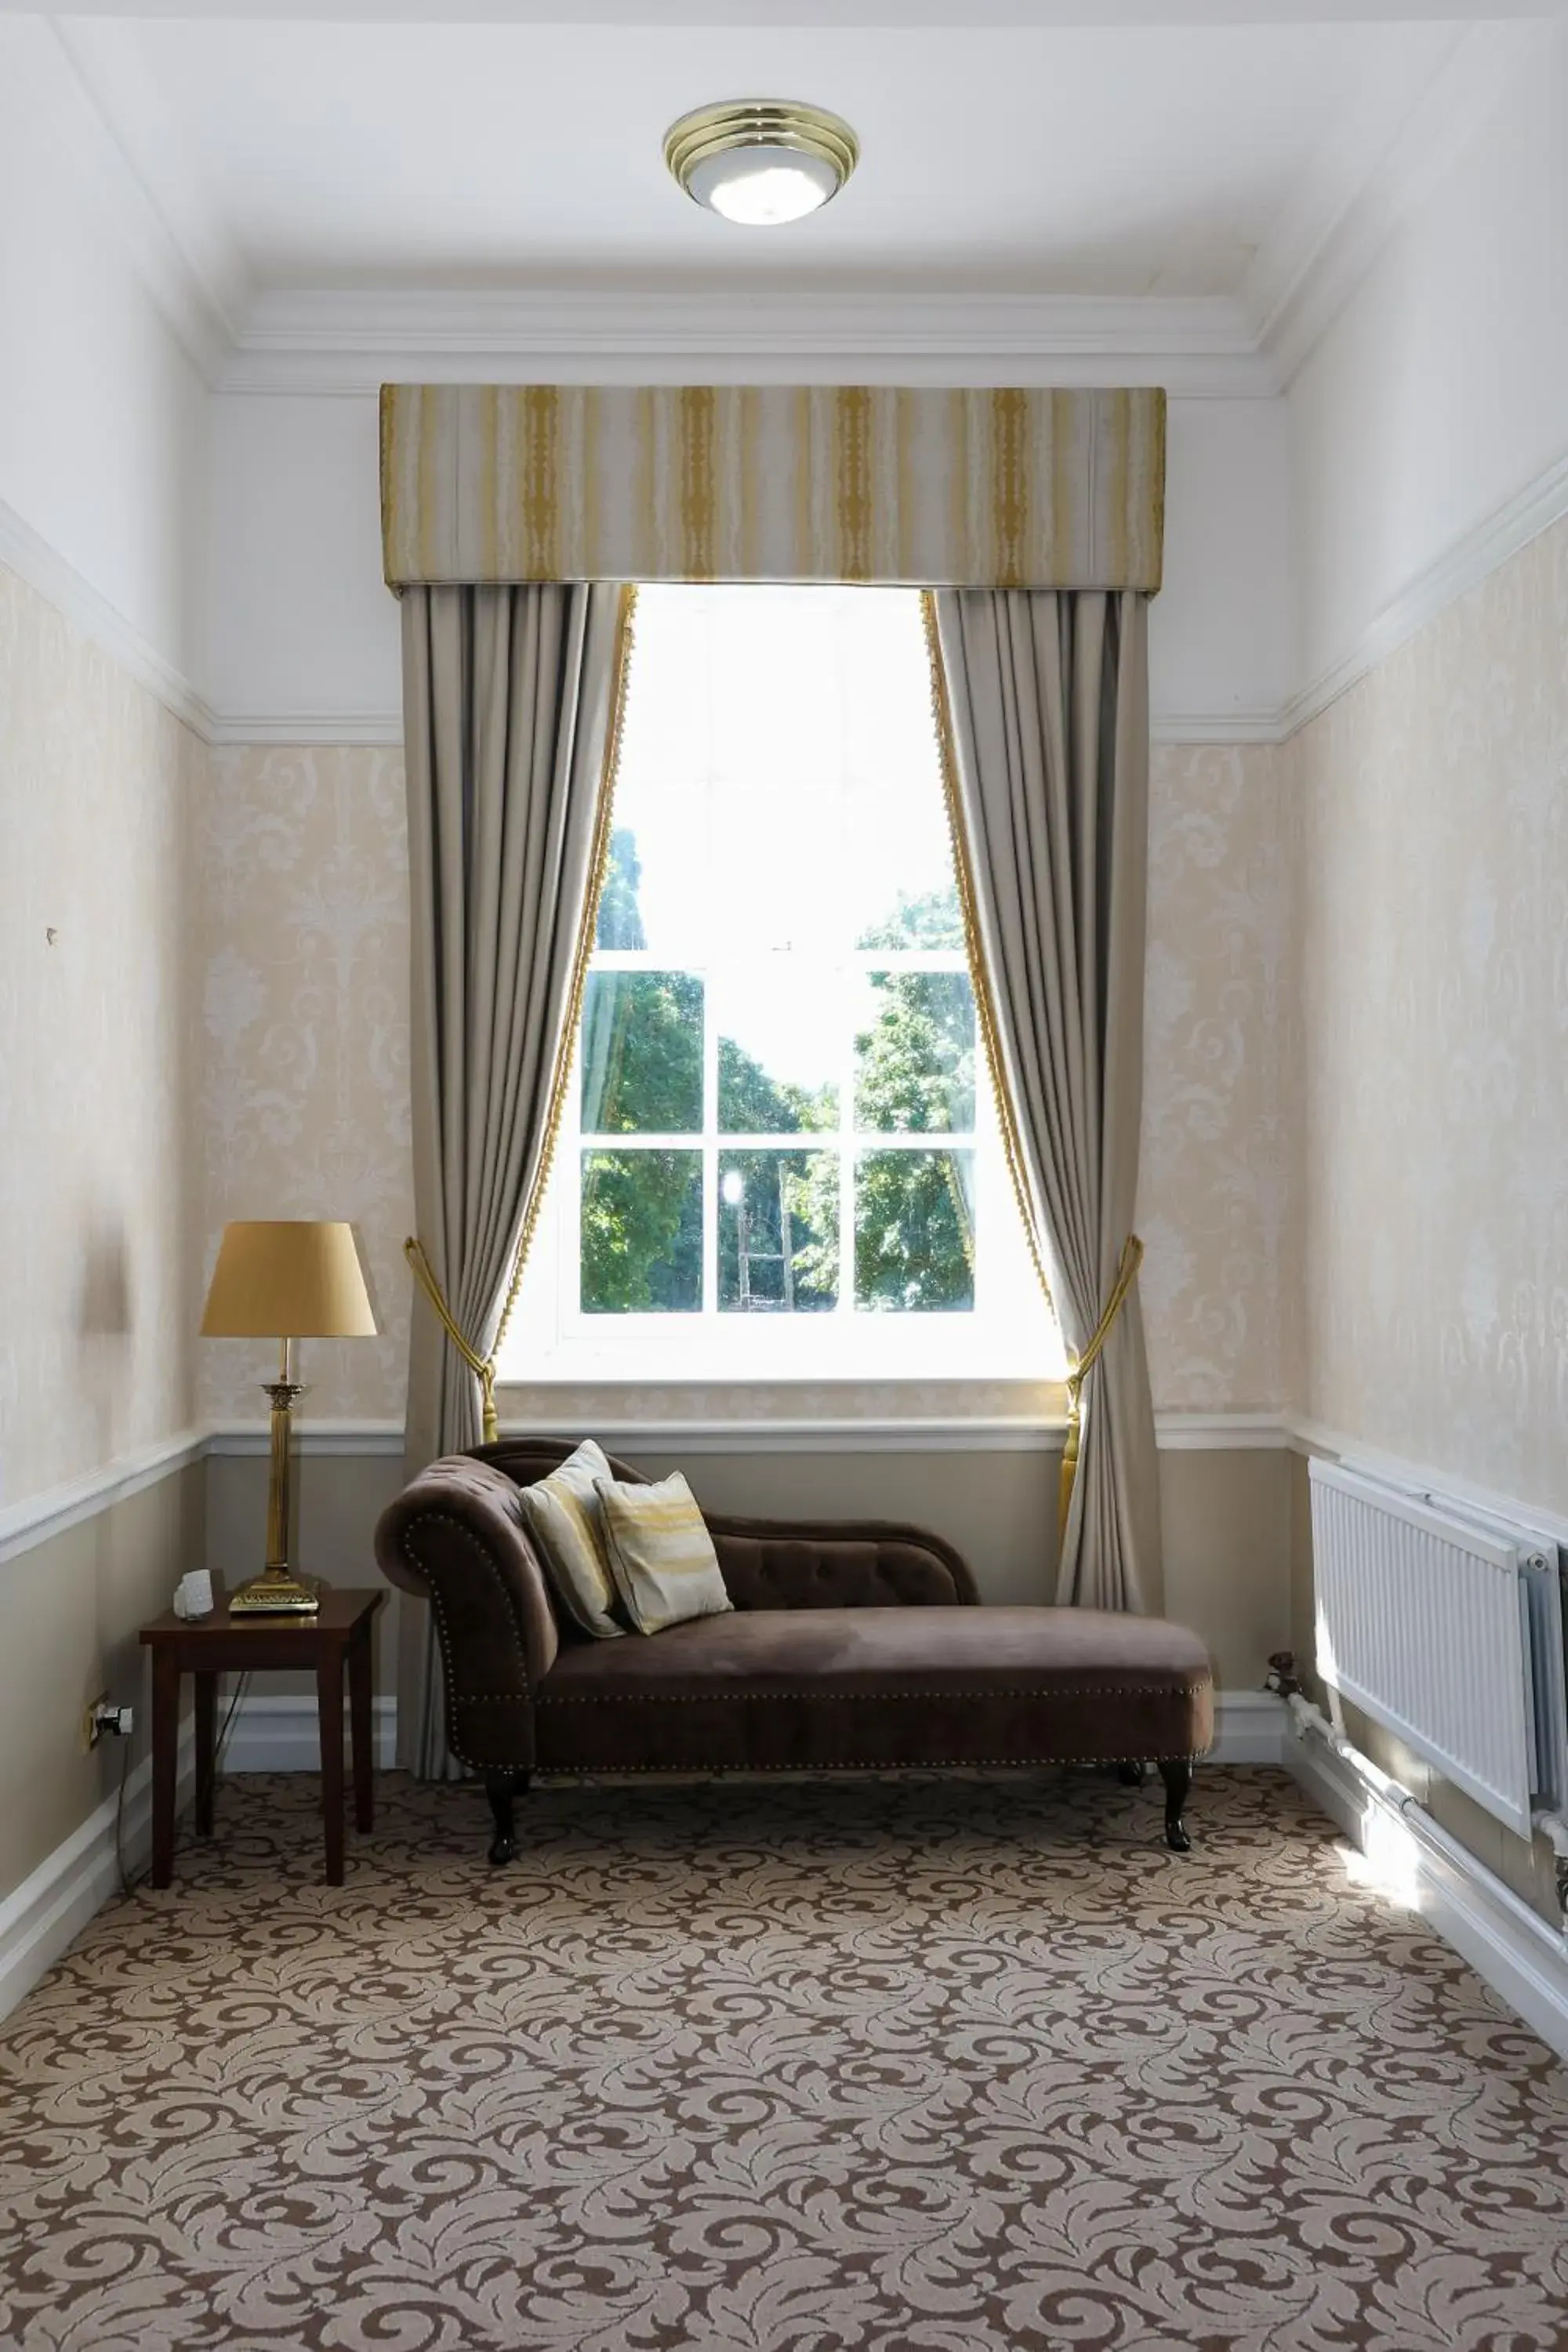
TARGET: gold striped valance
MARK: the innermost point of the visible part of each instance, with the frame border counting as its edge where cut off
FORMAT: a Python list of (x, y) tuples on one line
[(924, 488)]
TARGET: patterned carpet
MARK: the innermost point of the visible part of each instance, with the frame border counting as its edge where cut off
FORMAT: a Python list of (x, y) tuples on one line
[(927, 2066)]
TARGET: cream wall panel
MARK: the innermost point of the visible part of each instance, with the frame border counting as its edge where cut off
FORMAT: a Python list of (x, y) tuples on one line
[(1434, 864), (73, 1606), (101, 1172)]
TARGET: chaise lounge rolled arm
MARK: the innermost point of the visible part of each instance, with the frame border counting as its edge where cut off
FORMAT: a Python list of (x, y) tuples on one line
[(840, 1654)]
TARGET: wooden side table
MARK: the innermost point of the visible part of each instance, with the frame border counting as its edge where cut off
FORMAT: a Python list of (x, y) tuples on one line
[(205, 1647)]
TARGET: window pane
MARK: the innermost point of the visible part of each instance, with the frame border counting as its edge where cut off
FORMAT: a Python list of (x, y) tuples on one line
[(914, 1053), (914, 1232), (642, 1233), (778, 1231), (780, 1039), (642, 1054)]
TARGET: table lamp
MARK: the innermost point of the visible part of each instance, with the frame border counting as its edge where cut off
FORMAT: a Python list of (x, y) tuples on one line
[(290, 1279)]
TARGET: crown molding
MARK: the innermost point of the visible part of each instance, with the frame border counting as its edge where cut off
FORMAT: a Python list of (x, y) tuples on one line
[(347, 343)]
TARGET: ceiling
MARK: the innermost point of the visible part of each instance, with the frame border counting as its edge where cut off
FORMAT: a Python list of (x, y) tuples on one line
[(326, 169), (1122, 162)]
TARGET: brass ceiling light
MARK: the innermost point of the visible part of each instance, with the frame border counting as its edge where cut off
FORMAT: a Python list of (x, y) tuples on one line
[(761, 162)]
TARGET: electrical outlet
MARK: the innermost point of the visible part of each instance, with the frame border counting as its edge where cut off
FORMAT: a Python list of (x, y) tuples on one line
[(102, 1721)]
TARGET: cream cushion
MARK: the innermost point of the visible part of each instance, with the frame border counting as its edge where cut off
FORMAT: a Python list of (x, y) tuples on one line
[(661, 1554), (565, 1517)]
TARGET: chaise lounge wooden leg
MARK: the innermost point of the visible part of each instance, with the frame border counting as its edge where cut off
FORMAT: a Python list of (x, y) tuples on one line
[(1177, 1774), (502, 1788), (1131, 1775)]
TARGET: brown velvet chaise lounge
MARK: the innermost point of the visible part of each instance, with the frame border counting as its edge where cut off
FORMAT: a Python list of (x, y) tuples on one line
[(853, 1646)]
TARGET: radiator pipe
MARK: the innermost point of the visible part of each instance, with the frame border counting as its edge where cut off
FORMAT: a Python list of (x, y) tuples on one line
[(1310, 1722)]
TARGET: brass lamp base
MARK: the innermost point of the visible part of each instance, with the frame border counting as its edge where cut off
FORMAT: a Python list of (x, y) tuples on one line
[(277, 1593)]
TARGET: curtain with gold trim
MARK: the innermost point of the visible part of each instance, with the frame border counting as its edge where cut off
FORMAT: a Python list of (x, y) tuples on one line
[(1001, 488), (513, 702), (1042, 706)]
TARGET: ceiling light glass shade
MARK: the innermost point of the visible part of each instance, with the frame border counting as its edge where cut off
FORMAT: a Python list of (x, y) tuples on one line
[(761, 162)]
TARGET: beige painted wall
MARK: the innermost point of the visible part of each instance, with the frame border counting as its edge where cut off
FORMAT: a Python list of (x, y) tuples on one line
[(338, 1499), (1226, 1519), (100, 1175), (73, 1606), (1227, 1532)]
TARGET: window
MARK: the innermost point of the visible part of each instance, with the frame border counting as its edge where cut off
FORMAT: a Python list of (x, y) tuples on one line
[(780, 1157)]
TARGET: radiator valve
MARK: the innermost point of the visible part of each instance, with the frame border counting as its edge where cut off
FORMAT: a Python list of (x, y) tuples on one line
[(1282, 1678)]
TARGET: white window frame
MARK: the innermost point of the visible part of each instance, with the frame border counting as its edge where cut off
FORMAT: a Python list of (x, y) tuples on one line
[(1008, 1335)]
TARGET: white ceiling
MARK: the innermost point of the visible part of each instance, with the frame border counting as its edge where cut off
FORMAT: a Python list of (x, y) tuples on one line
[(1109, 162), (325, 192)]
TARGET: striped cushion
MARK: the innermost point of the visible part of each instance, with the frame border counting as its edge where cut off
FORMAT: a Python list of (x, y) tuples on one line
[(661, 1554), (563, 1516)]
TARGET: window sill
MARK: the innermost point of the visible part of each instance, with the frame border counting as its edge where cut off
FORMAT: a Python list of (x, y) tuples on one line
[(781, 1416)]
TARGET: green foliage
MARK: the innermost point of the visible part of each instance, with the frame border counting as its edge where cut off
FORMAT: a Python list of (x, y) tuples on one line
[(642, 1054), (642, 1212), (915, 1064), (789, 1200), (914, 1232), (642, 1233), (750, 1103), (620, 916)]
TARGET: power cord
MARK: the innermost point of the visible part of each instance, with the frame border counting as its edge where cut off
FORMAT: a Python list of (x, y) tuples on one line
[(129, 1885)]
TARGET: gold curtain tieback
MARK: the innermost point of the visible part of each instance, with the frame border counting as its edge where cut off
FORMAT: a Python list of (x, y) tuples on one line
[(483, 1368), (1081, 1366)]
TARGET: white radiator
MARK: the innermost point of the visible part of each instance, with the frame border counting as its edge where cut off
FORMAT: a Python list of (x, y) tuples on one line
[(1447, 1627)]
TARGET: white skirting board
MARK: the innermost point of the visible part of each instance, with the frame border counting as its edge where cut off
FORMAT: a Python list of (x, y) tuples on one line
[(1509, 1947), (270, 1734), (42, 1918)]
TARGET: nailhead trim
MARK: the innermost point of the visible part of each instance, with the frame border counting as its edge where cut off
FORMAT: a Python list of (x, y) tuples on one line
[(522, 1699), (726, 1694), (858, 1764)]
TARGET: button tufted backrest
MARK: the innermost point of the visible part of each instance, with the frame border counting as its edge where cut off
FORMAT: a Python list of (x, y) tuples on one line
[(791, 1563), (853, 1564)]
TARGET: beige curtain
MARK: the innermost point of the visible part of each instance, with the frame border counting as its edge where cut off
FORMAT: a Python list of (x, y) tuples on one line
[(511, 707), (1043, 699)]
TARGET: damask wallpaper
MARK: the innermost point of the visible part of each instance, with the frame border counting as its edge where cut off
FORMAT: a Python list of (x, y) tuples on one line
[(305, 1105), (101, 1174), (1357, 1017), (1218, 1196), (304, 1006), (1433, 872)]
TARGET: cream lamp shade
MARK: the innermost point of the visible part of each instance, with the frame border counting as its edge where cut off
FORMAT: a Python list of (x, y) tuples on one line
[(293, 1278)]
